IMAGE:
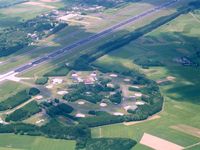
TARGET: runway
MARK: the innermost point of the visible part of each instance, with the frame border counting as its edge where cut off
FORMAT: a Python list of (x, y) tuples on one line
[(79, 43)]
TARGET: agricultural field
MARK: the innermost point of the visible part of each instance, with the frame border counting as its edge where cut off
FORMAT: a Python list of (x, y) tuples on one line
[(18, 142), (10, 88), (24, 9), (178, 38)]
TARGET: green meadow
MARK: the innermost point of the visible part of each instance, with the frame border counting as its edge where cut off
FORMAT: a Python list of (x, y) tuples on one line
[(19, 142), (9, 88)]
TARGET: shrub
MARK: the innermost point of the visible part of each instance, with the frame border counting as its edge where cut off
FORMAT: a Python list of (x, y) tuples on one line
[(34, 91), (134, 89), (65, 108), (95, 121), (42, 81), (116, 98), (55, 129)]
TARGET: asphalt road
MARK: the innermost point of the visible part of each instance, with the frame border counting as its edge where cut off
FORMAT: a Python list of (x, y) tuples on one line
[(69, 48)]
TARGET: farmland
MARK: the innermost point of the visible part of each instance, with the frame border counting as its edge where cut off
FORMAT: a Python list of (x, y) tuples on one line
[(17, 142)]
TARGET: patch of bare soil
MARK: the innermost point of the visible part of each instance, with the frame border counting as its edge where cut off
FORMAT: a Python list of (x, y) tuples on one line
[(158, 143)]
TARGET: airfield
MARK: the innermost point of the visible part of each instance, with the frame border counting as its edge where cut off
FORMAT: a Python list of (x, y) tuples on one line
[(89, 39), (177, 125)]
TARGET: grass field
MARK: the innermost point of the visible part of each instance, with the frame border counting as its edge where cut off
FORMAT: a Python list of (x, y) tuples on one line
[(10, 88), (18, 142), (26, 11), (181, 97), (15, 14)]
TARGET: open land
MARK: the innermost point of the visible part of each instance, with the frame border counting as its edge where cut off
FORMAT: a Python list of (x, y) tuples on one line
[(35, 143)]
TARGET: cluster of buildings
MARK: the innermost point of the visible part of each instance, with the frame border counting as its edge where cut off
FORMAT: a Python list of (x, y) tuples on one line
[(85, 8), (88, 80)]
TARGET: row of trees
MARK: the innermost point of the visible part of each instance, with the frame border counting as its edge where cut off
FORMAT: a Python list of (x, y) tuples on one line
[(18, 98), (59, 110), (147, 62), (110, 144), (53, 129), (42, 80), (24, 112)]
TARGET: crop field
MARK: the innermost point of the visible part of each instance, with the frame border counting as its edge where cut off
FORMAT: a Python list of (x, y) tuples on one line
[(28, 10), (18, 13), (18, 142), (181, 95)]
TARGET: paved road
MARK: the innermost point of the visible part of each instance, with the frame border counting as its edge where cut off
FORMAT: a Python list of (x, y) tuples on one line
[(69, 48)]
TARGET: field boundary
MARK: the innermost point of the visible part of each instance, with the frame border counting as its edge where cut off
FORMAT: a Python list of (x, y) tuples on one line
[(192, 145)]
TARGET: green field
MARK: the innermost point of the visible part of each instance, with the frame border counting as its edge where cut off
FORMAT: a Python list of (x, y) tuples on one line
[(10, 88), (181, 96), (25, 11), (18, 142)]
